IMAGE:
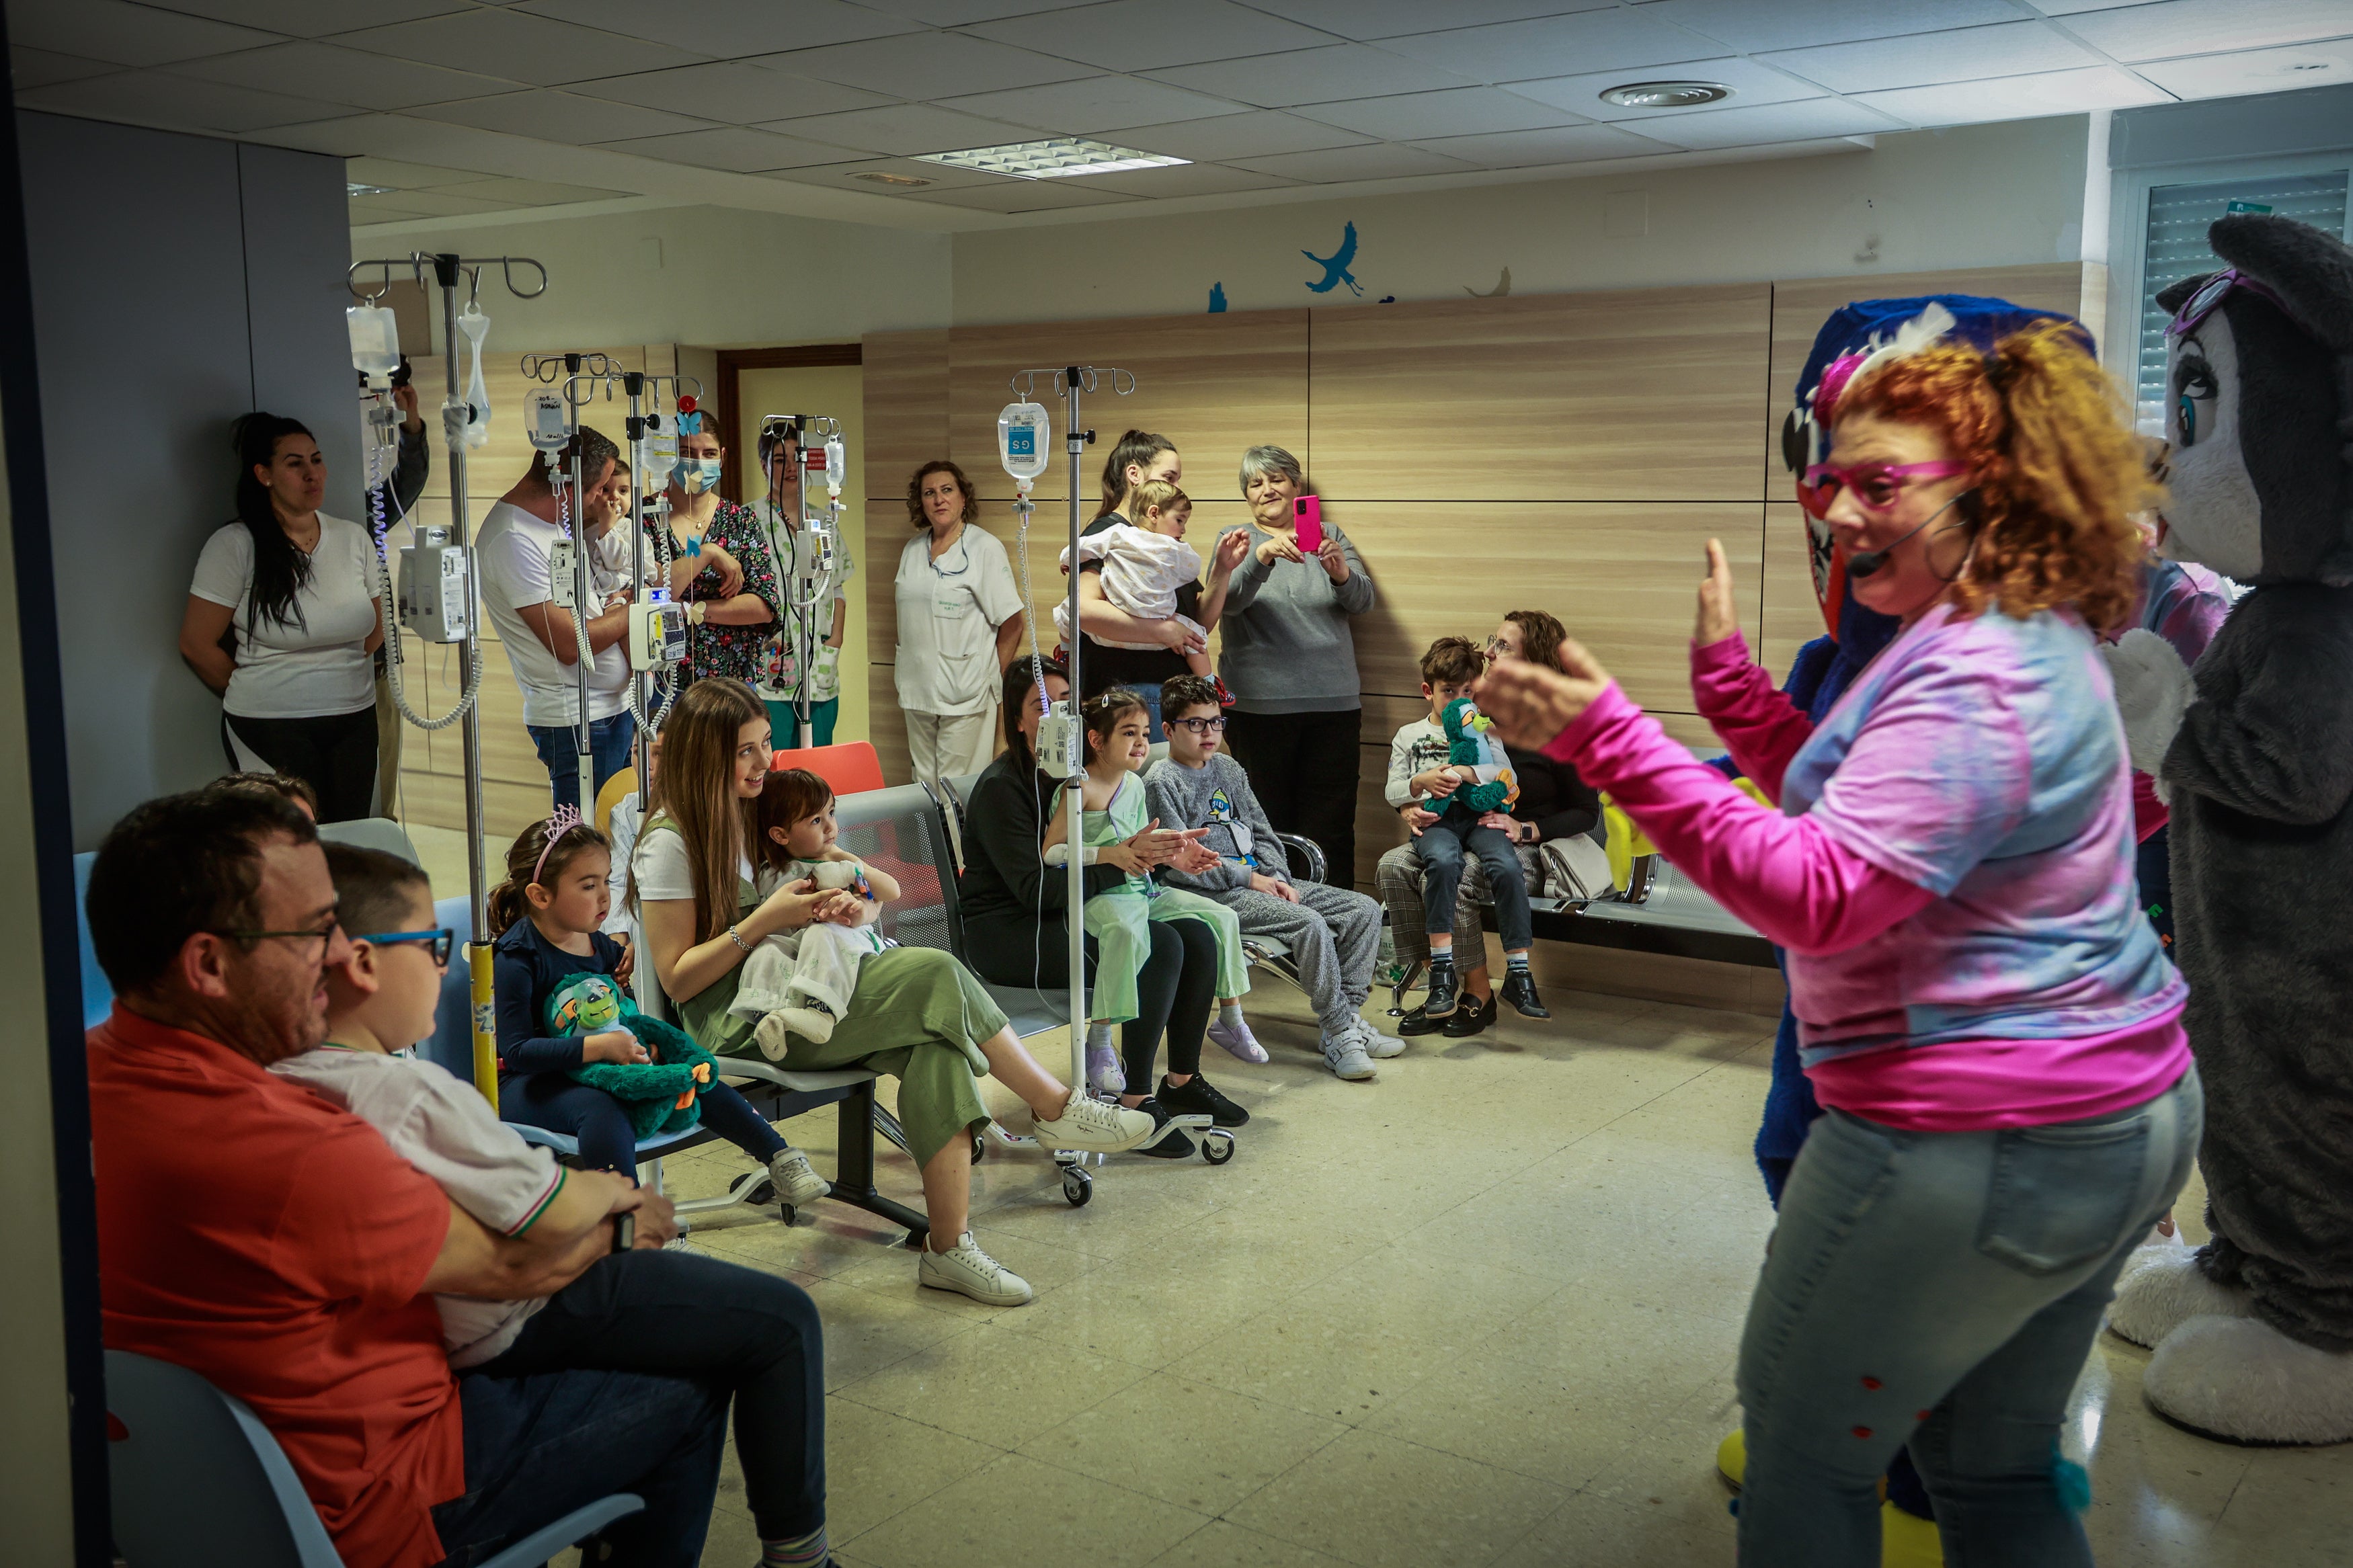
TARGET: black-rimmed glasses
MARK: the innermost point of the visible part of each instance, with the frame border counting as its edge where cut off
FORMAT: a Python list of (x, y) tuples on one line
[(322, 935), (443, 939), (1200, 726)]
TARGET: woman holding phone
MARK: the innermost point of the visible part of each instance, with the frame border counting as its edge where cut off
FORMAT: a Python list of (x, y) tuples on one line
[(1288, 659)]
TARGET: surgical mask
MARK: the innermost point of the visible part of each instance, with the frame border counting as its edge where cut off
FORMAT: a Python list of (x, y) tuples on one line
[(697, 473)]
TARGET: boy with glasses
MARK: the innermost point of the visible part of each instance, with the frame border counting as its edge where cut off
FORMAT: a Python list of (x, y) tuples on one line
[(1333, 934)]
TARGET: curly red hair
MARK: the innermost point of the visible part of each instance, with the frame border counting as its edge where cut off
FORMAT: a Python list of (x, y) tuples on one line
[(2059, 469)]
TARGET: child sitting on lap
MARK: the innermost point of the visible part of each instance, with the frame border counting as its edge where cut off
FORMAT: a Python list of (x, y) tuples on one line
[(1421, 782), (801, 981), (545, 916), (1333, 934), (1144, 564)]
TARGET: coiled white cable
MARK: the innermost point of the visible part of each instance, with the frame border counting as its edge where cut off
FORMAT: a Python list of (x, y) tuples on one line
[(469, 686)]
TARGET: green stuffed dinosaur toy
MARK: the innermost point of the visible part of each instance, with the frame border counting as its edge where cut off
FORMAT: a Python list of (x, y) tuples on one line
[(659, 1094), (1475, 755)]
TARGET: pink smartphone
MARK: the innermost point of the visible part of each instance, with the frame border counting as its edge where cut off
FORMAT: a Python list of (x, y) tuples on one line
[(1307, 511)]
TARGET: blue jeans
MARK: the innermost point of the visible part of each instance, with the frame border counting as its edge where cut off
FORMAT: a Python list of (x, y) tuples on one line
[(1441, 848), (607, 1142), (785, 722), (1941, 1290), (610, 742)]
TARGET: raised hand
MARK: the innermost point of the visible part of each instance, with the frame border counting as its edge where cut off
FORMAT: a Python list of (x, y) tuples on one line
[(1719, 608), (1531, 704)]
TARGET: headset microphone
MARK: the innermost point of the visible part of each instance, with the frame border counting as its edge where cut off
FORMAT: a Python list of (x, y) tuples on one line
[(1869, 562)]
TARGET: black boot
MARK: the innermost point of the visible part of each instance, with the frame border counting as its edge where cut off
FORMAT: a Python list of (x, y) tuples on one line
[(1445, 991), (1520, 991)]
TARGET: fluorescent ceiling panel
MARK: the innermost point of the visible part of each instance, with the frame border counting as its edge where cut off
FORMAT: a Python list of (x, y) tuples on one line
[(521, 47), (1564, 144), (1092, 104), (1924, 59), (926, 66), (1374, 19), (151, 98), (1378, 161), (735, 147), (732, 91), (1183, 180), (2194, 26), (347, 75), (1051, 158), (2280, 69), (1767, 124), (123, 34), (559, 117), (1751, 85), (902, 128), (727, 29), (1557, 46), (1257, 134), (304, 18), (1754, 26), (1139, 34), (2016, 97), (843, 176), (1311, 76), (1451, 112)]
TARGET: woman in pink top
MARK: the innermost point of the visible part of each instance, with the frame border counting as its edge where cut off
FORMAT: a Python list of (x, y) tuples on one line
[(1990, 1023)]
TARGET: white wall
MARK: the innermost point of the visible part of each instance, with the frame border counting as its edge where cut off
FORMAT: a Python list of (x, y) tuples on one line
[(1978, 196), (715, 276)]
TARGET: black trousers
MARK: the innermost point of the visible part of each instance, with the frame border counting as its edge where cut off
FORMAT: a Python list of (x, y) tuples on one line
[(1304, 769), (334, 755), (1175, 993)]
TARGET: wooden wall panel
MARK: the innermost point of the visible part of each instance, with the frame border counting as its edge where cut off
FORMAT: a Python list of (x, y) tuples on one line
[(1650, 394), (1792, 616), (906, 384), (1214, 384)]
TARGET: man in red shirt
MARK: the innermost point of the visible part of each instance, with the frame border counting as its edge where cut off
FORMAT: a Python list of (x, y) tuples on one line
[(274, 1243)]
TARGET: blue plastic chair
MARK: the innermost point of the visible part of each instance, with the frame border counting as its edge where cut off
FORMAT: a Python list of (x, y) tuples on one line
[(198, 1480)]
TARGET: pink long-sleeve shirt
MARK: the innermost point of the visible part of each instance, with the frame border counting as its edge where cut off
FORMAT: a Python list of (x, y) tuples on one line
[(1951, 869)]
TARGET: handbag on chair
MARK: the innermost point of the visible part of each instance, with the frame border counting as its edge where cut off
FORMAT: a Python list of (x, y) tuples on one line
[(1576, 869)]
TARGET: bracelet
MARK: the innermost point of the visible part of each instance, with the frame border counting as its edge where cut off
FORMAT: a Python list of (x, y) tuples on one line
[(737, 937)]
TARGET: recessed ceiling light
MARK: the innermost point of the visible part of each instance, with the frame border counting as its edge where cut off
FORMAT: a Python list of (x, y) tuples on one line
[(1052, 160), (877, 177), (1666, 94), (353, 189)]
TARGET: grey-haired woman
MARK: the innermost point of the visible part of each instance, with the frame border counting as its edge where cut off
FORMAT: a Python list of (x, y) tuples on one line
[(1291, 662)]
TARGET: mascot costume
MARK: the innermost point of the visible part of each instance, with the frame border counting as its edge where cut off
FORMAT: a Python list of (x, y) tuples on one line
[(2253, 750)]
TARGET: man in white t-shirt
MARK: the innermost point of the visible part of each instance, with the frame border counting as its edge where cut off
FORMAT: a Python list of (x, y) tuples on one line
[(541, 642)]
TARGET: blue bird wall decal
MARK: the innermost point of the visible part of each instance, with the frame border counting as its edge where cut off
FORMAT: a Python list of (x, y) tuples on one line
[(1336, 266)]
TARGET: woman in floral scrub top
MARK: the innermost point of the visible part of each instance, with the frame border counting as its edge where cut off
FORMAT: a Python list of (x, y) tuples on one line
[(724, 571)]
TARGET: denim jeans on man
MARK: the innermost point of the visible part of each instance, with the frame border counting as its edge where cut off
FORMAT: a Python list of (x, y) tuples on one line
[(610, 741), (1442, 846), (1941, 1290)]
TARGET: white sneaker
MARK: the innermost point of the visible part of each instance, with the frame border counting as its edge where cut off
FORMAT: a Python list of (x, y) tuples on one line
[(968, 1270), (1378, 1046), (680, 1243), (1345, 1053), (797, 1183), (1093, 1127), (1103, 1072)]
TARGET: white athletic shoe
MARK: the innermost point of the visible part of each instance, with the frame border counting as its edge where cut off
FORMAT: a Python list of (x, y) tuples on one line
[(797, 1183), (1093, 1127), (1345, 1056), (1378, 1046), (680, 1243), (968, 1271)]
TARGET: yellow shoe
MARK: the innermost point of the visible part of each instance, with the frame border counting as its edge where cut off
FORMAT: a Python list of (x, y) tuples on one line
[(1732, 1457), (1907, 1540)]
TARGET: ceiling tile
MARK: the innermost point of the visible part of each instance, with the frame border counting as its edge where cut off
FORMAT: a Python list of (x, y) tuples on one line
[(2070, 8), (728, 29), (348, 75), (1565, 144), (1256, 134), (431, 203), (1138, 35), (309, 18), (843, 177), (925, 65), (403, 177), (1556, 46), (1922, 60), (39, 67), (372, 212), (964, 13), (1183, 180), (1009, 195), (1370, 19), (1451, 112), (735, 147), (2016, 97), (2254, 70), (1751, 84), (1378, 161), (1770, 123), (529, 193), (151, 98), (1796, 24), (559, 117), (2192, 26), (511, 44), (1311, 76), (125, 34), (732, 91), (904, 128), (1093, 104)]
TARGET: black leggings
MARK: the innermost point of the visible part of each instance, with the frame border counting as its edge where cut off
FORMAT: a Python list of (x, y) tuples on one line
[(601, 1125), (335, 755), (1304, 768), (1176, 990), (675, 1315)]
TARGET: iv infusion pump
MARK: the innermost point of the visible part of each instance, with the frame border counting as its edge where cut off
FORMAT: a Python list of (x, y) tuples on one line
[(656, 636), (433, 595)]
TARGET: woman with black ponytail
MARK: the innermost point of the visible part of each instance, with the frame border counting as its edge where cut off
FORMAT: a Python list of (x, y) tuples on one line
[(282, 622)]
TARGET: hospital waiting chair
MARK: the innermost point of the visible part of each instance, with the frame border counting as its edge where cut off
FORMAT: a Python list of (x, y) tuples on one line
[(197, 1480), (850, 767)]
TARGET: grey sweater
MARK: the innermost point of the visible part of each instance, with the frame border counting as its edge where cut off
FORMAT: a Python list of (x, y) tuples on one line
[(1216, 797), (1286, 646)]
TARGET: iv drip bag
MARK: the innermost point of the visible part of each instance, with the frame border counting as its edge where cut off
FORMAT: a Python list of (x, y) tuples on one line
[(836, 465), (1024, 441), (473, 323), (375, 342)]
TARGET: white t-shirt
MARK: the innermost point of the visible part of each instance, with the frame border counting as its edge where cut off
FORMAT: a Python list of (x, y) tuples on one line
[(949, 611), (314, 665), (512, 553), (665, 872)]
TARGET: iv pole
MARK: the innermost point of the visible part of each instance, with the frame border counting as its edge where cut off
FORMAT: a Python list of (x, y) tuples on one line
[(637, 384), (588, 371), (456, 414)]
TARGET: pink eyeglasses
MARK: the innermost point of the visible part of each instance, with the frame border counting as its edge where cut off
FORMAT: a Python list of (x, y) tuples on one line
[(1876, 485)]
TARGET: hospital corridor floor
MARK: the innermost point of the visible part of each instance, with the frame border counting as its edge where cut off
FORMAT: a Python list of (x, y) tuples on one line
[(1481, 1312)]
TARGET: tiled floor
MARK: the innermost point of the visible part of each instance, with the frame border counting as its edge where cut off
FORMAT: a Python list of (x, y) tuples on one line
[(1483, 1310)]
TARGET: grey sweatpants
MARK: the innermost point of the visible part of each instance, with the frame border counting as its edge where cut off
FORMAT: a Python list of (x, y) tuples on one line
[(1334, 936)]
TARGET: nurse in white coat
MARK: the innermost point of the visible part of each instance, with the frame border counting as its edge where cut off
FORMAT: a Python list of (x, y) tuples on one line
[(959, 622)]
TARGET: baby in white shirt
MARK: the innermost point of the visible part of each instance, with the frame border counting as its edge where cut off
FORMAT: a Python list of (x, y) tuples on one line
[(801, 982), (1144, 564)]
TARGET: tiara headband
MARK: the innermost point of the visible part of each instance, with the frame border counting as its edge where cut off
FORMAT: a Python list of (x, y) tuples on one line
[(560, 821)]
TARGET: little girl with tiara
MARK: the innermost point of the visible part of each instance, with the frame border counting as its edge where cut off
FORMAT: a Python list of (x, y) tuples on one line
[(1115, 811), (546, 919)]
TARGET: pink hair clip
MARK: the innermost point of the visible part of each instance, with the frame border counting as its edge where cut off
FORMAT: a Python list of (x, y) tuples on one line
[(560, 821)]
